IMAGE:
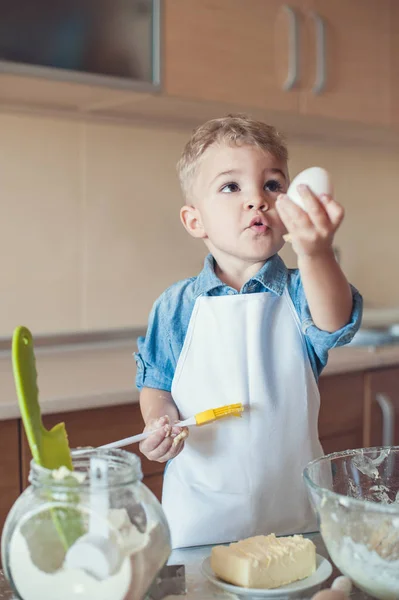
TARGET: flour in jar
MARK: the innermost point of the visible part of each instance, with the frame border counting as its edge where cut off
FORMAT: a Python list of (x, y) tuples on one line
[(33, 583)]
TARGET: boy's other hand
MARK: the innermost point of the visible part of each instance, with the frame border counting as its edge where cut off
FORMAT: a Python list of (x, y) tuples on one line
[(166, 442), (312, 231)]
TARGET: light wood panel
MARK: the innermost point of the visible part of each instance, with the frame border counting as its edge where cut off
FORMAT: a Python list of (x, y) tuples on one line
[(229, 50), (358, 60), (39, 166), (395, 62)]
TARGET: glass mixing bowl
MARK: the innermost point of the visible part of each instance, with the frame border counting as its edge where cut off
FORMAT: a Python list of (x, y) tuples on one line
[(356, 497)]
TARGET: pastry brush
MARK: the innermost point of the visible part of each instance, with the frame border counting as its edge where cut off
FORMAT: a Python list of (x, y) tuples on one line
[(202, 418)]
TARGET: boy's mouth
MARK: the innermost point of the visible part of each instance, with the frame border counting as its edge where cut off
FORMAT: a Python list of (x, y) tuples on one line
[(259, 225)]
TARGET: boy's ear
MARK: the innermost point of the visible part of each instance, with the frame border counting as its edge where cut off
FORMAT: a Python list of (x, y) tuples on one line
[(191, 219)]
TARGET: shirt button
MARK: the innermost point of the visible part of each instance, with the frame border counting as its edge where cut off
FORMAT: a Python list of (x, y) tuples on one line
[(231, 292)]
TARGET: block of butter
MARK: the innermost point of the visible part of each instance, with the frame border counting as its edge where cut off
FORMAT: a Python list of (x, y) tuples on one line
[(265, 562)]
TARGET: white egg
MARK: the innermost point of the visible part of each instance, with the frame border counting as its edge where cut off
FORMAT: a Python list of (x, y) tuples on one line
[(316, 178)]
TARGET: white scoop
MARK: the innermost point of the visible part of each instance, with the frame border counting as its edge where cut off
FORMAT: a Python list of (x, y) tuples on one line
[(95, 552)]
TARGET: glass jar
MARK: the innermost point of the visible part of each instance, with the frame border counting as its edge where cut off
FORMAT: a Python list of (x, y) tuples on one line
[(96, 533)]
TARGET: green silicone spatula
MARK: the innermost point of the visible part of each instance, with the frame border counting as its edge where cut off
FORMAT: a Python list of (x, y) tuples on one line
[(50, 449)]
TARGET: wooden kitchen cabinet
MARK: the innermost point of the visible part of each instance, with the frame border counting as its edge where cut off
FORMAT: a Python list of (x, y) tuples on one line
[(230, 51), (96, 427), (341, 412), (10, 487), (155, 483), (242, 52), (395, 62), (382, 407), (355, 55), (263, 57)]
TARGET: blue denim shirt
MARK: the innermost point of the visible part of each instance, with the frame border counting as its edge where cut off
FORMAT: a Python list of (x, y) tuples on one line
[(159, 351)]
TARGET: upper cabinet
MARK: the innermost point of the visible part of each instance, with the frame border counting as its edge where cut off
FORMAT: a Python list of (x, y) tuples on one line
[(316, 57), (347, 44), (330, 67), (113, 42), (395, 62), (243, 53)]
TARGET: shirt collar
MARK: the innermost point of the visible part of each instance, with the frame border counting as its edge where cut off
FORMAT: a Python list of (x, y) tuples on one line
[(272, 276)]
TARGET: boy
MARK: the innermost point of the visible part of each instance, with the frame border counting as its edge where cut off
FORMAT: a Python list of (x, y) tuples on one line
[(246, 330)]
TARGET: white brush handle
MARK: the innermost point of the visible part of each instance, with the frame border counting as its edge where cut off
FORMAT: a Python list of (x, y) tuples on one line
[(134, 439)]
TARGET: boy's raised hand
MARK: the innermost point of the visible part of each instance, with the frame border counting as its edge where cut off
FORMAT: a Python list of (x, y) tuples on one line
[(166, 442), (312, 230)]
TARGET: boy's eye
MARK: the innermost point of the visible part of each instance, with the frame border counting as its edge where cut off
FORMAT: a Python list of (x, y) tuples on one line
[(229, 188), (273, 186)]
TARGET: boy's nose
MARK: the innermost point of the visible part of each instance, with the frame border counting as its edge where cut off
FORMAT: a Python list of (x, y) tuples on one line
[(257, 203)]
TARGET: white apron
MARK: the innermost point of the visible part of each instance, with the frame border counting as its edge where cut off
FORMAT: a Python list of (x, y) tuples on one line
[(240, 477)]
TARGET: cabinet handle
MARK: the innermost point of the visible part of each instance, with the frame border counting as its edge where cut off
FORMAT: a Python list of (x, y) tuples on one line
[(321, 54), (156, 41), (388, 419), (293, 49)]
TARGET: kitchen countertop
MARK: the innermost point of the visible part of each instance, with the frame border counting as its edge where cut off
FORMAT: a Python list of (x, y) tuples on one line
[(359, 358), (93, 375), (75, 377), (198, 588)]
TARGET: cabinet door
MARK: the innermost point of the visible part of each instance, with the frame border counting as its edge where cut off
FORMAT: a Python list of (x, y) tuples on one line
[(341, 412), (9, 467), (232, 51), (155, 483), (395, 62), (382, 409), (96, 427), (348, 48)]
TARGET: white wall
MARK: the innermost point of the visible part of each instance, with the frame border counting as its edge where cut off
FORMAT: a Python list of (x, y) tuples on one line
[(90, 230)]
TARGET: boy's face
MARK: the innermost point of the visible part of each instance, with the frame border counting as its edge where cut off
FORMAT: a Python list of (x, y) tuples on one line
[(234, 194)]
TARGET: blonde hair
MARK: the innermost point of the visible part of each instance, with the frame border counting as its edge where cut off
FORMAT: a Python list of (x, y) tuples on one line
[(235, 130)]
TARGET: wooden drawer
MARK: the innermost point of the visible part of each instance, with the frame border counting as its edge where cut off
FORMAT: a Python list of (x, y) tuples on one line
[(10, 487), (346, 441), (154, 483), (384, 382), (342, 405)]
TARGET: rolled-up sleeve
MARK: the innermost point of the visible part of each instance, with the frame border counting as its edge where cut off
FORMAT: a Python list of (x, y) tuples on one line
[(320, 342), (153, 359)]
